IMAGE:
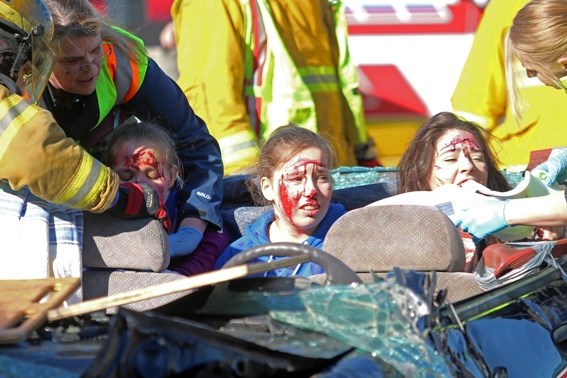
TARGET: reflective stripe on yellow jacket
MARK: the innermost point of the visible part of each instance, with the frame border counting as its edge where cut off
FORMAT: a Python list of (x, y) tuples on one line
[(34, 152), (306, 89), (480, 95)]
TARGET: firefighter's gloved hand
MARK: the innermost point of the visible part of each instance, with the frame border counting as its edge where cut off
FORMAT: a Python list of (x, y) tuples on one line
[(485, 218), (184, 241), (554, 169), (366, 154), (139, 201)]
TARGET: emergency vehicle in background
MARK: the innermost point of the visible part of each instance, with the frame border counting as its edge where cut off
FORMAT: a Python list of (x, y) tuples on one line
[(409, 52)]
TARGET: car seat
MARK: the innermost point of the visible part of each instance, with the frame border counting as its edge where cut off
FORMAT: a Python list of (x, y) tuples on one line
[(121, 255), (420, 238)]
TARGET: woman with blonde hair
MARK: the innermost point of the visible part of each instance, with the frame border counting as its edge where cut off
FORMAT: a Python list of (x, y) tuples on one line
[(538, 40), (103, 76)]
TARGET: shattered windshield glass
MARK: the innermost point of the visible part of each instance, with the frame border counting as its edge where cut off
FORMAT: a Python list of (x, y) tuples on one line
[(380, 318)]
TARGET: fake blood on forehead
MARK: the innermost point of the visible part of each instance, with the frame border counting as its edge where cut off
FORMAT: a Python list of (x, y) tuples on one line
[(141, 159), (294, 166), (452, 145)]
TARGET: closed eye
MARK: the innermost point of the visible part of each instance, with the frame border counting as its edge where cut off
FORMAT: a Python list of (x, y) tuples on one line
[(323, 178), (70, 60), (153, 174), (126, 176), (477, 156)]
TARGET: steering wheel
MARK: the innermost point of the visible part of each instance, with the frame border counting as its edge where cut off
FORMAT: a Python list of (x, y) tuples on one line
[(336, 271)]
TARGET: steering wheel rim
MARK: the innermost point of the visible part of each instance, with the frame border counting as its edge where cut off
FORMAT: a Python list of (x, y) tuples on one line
[(336, 271)]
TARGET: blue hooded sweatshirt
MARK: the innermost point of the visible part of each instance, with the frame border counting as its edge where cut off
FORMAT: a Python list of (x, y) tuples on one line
[(256, 234)]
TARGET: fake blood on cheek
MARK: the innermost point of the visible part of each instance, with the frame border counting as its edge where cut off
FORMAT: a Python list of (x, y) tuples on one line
[(288, 201)]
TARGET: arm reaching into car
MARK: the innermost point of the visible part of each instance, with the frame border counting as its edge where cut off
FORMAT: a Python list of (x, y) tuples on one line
[(550, 210), (477, 214), (554, 170), (36, 153)]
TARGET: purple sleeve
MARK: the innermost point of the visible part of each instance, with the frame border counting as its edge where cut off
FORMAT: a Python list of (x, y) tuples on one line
[(203, 258)]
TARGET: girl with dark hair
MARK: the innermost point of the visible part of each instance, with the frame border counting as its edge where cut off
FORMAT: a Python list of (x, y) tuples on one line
[(448, 150)]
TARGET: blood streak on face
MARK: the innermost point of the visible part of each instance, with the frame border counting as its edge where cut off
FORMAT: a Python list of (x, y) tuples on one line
[(295, 183), (452, 145), (286, 200), (459, 158)]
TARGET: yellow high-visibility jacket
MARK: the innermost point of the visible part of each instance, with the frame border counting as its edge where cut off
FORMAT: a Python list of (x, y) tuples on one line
[(313, 82), (481, 96), (35, 152)]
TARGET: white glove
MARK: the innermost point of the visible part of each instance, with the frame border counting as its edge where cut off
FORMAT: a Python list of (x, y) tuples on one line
[(554, 169), (478, 214)]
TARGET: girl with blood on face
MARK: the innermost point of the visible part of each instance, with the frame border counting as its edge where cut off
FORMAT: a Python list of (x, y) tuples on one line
[(450, 150), (293, 175), (145, 153)]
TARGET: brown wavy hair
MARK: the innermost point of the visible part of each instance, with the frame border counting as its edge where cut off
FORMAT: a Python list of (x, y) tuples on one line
[(416, 165)]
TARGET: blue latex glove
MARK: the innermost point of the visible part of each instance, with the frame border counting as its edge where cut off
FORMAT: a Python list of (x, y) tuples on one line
[(485, 218), (555, 169), (184, 241)]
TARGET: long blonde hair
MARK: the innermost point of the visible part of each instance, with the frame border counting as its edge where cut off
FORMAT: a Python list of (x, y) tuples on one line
[(538, 38), (79, 18)]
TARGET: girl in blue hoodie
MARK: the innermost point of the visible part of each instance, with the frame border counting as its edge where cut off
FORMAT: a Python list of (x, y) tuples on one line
[(293, 175)]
